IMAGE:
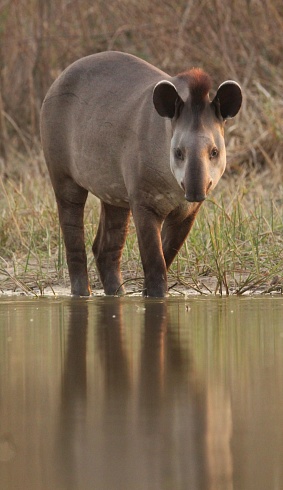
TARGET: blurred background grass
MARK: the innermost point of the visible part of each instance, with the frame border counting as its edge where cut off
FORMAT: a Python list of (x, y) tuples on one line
[(239, 39)]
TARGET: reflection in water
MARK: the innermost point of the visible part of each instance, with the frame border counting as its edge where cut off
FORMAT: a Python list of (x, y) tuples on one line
[(72, 420), (136, 437), (141, 394), (172, 409)]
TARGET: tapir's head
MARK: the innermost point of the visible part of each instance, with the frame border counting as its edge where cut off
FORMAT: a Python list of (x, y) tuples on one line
[(198, 155)]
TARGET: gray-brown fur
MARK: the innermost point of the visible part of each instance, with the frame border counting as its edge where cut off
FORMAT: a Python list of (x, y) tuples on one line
[(117, 127)]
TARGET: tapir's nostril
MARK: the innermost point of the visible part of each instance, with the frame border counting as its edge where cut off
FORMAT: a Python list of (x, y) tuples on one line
[(195, 197)]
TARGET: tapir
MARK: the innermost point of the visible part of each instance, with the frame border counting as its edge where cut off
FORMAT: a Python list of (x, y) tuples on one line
[(143, 142)]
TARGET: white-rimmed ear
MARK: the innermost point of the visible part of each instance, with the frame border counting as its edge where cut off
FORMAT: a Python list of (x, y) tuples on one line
[(166, 99), (228, 99)]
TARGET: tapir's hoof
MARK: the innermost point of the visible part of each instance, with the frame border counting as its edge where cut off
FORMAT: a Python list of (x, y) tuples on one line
[(80, 295), (78, 290), (114, 290), (155, 293)]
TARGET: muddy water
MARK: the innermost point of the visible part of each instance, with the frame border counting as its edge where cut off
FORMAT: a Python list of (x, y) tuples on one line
[(137, 394)]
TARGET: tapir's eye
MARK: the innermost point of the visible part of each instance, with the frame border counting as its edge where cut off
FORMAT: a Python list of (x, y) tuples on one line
[(178, 154), (214, 153)]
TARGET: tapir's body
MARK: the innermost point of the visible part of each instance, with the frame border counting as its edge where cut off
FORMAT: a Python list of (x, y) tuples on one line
[(102, 132), (107, 134)]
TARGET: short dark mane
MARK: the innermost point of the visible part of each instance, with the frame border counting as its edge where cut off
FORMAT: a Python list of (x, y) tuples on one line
[(199, 84)]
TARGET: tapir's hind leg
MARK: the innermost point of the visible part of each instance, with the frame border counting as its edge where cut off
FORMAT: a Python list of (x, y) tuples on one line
[(108, 245), (71, 200)]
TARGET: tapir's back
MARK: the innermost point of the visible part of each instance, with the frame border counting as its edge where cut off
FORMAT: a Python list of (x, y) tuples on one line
[(96, 119), (110, 68)]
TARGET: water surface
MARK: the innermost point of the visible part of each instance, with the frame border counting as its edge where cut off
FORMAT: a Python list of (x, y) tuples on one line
[(137, 394)]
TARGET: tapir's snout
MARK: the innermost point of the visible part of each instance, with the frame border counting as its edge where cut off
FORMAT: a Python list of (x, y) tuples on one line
[(196, 196)]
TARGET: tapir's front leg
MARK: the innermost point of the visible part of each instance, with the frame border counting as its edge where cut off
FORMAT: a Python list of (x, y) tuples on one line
[(174, 232), (148, 226)]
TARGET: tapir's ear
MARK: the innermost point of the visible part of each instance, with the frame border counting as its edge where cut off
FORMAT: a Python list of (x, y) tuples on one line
[(166, 99), (228, 99)]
